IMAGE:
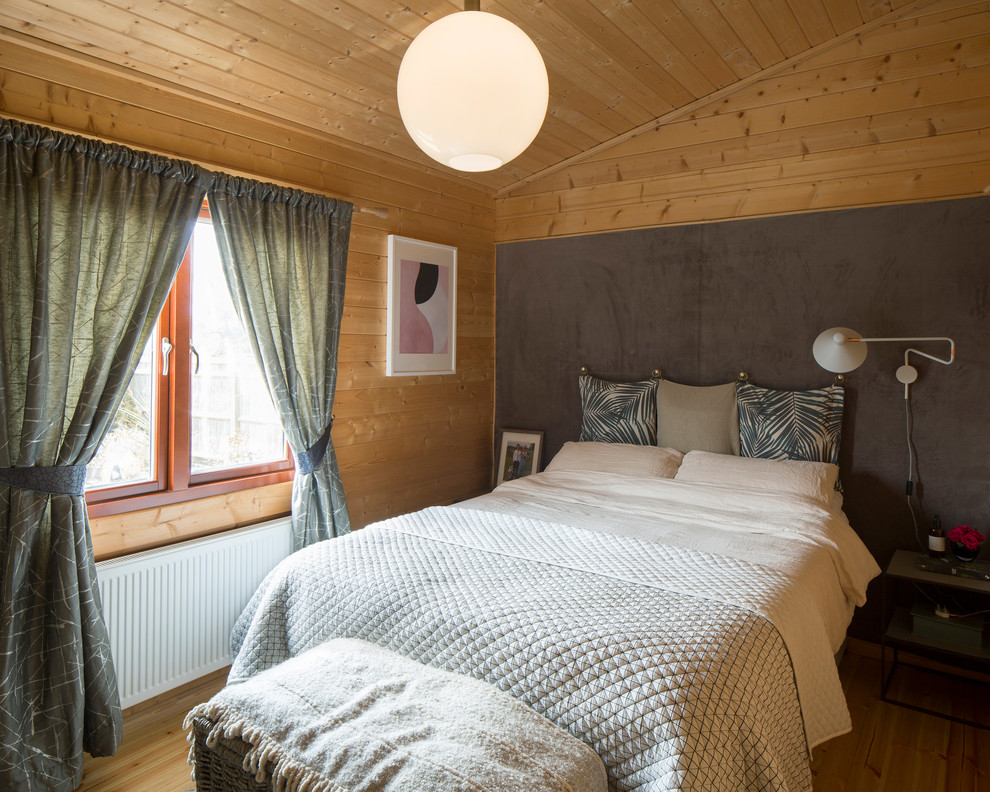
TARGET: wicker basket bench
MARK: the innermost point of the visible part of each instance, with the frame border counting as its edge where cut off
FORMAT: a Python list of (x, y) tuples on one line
[(221, 768), (349, 716)]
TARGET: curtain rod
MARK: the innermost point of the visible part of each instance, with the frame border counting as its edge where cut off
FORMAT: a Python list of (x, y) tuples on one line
[(377, 211)]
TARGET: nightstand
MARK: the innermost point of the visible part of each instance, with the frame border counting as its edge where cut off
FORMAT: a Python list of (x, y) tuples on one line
[(964, 647)]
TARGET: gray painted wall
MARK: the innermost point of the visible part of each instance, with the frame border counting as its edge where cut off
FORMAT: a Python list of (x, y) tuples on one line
[(706, 301)]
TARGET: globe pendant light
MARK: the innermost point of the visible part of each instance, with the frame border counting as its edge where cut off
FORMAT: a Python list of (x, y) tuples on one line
[(472, 90)]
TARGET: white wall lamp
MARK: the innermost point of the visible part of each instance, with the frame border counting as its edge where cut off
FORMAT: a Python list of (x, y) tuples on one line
[(840, 349), (472, 90)]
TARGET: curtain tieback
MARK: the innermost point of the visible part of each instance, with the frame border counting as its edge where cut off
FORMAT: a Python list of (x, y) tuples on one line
[(310, 459), (58, 480)]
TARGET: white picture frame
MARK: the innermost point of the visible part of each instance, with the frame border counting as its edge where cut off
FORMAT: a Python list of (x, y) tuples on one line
[(421, 309)]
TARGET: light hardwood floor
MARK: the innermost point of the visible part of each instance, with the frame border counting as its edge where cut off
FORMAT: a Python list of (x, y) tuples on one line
[(890, 748), (152, 757)]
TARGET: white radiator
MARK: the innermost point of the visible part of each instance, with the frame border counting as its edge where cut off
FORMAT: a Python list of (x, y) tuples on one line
[(169, 612)]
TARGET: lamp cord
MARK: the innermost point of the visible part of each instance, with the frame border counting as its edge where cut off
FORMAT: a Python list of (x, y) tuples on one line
[(938, 602), (911, 474)]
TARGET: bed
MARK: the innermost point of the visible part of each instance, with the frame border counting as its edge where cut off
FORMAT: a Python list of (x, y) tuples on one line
[(678, 613)]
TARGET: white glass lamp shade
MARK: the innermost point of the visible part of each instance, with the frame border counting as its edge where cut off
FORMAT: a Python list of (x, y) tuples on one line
[(835, 353), (472, 91)]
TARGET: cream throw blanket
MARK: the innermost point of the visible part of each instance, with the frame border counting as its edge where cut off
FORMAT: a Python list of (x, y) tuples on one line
[(349, 716)]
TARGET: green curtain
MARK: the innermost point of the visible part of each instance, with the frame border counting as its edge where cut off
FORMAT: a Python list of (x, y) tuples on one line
[(284, 256), (91, 236)]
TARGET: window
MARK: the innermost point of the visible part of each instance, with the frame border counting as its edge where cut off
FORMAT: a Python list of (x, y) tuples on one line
[(197, 419)]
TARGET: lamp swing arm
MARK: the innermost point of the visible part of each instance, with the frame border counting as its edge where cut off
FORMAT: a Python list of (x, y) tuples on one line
[(944, 361), (949, 361), (907, 373)]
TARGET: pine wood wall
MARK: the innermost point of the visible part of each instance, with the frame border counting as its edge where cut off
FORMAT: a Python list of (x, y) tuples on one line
[(402, 443), (901, 114)]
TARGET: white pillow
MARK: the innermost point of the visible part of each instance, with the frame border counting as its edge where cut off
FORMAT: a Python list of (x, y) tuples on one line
[(641, 460), (811, 479)]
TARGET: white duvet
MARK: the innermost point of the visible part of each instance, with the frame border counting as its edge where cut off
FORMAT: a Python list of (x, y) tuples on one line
[(809, 542)]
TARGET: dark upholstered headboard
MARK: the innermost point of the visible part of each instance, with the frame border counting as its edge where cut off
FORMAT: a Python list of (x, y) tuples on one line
[(704, 302)]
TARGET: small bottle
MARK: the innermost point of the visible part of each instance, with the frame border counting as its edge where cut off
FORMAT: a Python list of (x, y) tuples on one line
[(936, 538)]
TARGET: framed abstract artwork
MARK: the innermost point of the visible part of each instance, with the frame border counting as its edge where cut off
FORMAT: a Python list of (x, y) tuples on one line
[(421, 316)]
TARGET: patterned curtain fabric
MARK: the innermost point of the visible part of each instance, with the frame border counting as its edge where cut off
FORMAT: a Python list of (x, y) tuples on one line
[(284, 255), (91, 236)]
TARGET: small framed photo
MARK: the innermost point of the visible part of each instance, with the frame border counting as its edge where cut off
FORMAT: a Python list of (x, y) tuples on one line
[(519, 453), (421, 309)]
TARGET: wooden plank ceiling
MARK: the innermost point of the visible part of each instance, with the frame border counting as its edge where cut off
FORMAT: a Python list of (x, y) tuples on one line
[(616, 67)]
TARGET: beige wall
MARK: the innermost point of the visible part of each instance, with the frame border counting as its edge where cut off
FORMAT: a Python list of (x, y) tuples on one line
[(901, 114), (402, 443)]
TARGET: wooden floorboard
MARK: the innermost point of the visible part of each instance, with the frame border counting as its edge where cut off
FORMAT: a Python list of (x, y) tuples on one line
[(890, 748), (894, 749), (153, 753)]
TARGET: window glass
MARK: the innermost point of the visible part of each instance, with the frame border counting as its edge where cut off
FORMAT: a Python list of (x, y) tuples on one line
[(233, 421), (204, 425), (127, 453)]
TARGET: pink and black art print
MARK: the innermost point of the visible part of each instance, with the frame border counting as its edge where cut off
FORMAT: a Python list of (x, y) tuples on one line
[(422, 308), (424, 292)]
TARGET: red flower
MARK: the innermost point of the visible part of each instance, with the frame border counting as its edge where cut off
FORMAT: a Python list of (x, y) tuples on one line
[(966, 536)]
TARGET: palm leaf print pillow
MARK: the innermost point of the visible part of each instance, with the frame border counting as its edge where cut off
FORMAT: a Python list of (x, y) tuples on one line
[(618, 412), (779, 424)]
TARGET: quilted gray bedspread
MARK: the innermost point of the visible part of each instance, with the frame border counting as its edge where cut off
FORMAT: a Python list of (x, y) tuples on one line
[(664, 660)]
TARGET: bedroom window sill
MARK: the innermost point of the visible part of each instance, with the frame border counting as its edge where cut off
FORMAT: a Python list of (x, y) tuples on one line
[(133, 527), (195, 492)]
